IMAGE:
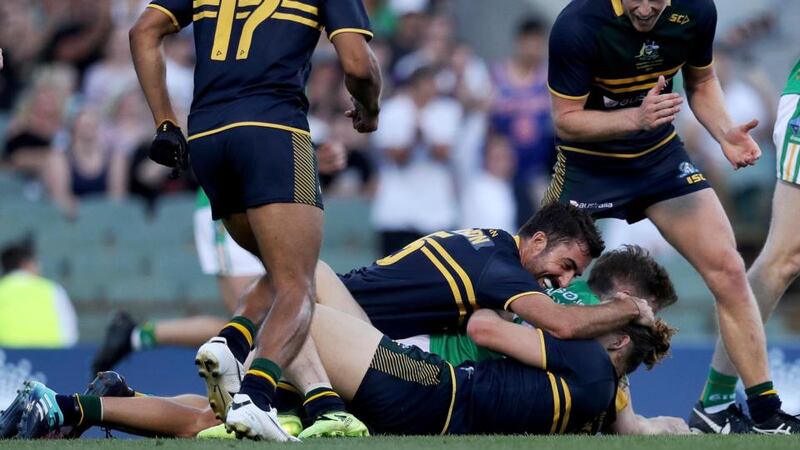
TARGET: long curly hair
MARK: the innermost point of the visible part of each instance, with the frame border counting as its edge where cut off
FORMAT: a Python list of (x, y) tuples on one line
[(648, 345)]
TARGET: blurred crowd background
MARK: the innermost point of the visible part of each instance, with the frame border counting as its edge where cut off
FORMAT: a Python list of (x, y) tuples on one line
[(466, 140)]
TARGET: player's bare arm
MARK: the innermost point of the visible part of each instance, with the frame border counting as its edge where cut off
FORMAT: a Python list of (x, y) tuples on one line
[(628, 422), (582, 322), (575, 123), (491, 331), (708, 105), (146, 37), (362, 79)]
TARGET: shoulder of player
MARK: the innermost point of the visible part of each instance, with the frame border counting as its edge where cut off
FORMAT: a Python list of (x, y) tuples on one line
[(581, 16)]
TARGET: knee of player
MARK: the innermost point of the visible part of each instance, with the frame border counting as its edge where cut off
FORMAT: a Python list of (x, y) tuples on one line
[(727, 271)]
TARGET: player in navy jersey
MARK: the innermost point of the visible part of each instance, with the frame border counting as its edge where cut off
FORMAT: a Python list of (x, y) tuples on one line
[(251, 151), (611, 70), (436, 283)]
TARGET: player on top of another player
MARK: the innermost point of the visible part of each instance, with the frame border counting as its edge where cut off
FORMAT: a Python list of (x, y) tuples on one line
[(555, 386), (251, 152), (435, 283), (611, 68)]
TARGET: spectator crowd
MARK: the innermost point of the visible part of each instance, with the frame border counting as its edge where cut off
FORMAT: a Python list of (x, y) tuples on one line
[(463, 141)]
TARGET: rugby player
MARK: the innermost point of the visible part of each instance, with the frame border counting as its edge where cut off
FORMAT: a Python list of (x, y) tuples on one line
[(569, 385), (435, 283), (611, 70), (776, 266), (234, 268), (251, 152)]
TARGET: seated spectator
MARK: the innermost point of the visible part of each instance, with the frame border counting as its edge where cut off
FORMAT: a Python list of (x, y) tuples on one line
[(39, 116), (34, 311), (85, 163)]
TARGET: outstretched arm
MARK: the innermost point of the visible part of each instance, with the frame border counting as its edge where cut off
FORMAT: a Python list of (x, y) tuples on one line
[(146, 37), (708, 105), (628, 422), (581, 322), (522, 343)]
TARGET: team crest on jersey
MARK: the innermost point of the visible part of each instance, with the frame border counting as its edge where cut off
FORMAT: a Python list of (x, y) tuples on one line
[(648, 56), (794, 125), (686, 168)]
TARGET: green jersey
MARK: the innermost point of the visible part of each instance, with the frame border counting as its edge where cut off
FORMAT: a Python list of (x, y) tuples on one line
[(457, 348), (793, 83), (202, 200)]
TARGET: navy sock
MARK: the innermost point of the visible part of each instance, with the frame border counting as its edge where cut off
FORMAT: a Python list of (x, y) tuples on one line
[(288, 399), (322, 400), (239, 333), (259, 382), (68, 404), (762, 401)]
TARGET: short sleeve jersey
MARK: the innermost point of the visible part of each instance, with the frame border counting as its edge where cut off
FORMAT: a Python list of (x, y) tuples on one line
[(435, 283), (574, 393), (596, 54), (793, 83), (254, 57)]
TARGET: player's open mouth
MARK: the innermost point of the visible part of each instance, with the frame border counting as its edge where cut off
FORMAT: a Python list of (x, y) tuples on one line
[(548, 282)]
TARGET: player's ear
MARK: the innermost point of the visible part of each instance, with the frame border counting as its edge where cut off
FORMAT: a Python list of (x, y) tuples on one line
[(538, 242), (619, 341)]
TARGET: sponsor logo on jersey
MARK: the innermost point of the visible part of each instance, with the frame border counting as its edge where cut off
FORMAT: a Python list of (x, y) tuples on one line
[(680, 19), (591, 205), (635, 100)]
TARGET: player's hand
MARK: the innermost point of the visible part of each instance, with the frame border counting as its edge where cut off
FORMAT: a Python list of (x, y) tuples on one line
[(667, 425), (657, 109), (739, 147), (364, 120), (645, 316), (169, 148), (331, 157)]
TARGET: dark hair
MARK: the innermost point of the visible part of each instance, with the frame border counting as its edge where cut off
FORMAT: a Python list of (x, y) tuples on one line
[(648, 345), (15, 255), (633, 265), (563, 223), (531, 25)]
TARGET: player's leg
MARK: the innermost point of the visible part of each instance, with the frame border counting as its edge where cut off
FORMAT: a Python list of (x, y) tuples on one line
[(332, 292), (696, 225)]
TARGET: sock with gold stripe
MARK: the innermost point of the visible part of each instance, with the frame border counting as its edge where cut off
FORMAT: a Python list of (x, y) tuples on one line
[(80, 409), (239, 333), (762, 401), (288, 400), (260, 381), (321, 400)]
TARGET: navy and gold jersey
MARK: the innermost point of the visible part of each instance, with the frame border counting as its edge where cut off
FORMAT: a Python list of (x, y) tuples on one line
[(435, 283), (596, 54), (253, 57), (575, 393)]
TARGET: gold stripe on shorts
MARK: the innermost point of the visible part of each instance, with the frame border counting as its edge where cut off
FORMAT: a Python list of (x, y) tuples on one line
[(404, 367), (305, 179), (557, 184)]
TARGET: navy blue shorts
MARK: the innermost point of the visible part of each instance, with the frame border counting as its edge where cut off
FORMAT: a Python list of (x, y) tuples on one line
[(405, 391), (247, 167), (609, 187)]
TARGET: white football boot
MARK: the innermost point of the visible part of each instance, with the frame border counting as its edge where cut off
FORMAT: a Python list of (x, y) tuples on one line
[(222, 373), (248, 420)]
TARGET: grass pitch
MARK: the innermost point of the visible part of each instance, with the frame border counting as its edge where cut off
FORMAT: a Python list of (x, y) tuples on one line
[(436, 443)]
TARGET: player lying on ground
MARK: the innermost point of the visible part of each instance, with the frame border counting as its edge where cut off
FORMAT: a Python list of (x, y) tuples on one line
[(556, 386), (627, 269), (435, 283)]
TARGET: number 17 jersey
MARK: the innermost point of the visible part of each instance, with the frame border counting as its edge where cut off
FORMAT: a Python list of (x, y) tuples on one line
[(254, 57)]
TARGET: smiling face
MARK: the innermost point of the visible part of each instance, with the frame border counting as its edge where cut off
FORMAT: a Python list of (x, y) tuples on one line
[(555, 265), (644, 14)]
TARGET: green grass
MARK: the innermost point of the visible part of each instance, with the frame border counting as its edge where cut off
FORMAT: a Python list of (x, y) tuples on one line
[(433, 443)]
